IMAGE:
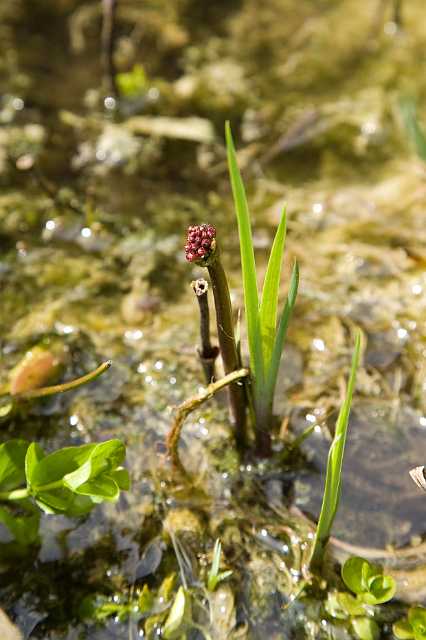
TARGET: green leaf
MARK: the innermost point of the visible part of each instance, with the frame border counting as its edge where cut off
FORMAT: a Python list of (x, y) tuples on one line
[(105, 456), (380, 589), (64, 502), (121, 477), (417, 620), (334, 607), (403, 630), (99, 489), (411, 123), (179, 616), (248, 265), (350, 604), (34, 454), (12, 464), (58, 464), (333, 480), (145, 600), (280, 337), (366, 628), (214, 570), (270, 291), (23, 528), (355, 574)]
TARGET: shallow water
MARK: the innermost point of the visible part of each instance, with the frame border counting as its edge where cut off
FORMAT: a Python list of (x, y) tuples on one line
[(92, 222)]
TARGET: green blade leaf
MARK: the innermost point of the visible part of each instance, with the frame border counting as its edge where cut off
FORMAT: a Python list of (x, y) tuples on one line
[(248, 265), (280, 337), (12, 464), (332, 489), (179, 616), (269, 302)]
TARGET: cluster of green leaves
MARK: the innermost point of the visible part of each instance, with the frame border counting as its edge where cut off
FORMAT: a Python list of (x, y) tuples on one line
[(266, 334), (413, 627), (168, 609), (69, 481), (132, 83), (333, 480), (371, 587)]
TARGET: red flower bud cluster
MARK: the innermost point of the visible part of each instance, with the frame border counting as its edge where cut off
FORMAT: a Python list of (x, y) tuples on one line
[(199, 242)]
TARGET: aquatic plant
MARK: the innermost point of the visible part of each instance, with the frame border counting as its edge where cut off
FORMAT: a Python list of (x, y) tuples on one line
[(333, 481), (215, 576), (266, 335), (202, 248), (68, 481), (413, 627), (370, 587)]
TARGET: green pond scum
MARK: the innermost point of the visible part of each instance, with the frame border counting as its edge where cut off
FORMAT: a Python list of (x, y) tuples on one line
[(112, 144)]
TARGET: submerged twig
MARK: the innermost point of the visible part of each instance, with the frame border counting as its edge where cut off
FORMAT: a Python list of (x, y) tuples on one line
[(184, 409), (43, 392), (207, 352)]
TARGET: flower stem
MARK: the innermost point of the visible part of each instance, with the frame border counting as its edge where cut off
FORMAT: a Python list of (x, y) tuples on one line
[(228, 347)]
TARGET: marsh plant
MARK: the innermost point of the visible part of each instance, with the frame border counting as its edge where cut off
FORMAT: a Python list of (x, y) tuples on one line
[(369, 587), (266, 332), (69, 481)]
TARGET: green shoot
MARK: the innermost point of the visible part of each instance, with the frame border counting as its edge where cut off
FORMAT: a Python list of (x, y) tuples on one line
[(333, 481), (414, 130), (266, 339), (367, 581), (215, 576)]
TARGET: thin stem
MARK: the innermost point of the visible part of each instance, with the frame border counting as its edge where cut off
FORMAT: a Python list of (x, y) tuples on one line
[(184, 409), (20, 494), (66, 386), (207, 353), (228, 347), (109, 11), (16, 494)]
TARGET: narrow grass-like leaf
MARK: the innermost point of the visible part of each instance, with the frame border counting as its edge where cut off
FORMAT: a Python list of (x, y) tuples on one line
[(282, 332), (333, 480), (269, 302), (414, 129), (248, 266)]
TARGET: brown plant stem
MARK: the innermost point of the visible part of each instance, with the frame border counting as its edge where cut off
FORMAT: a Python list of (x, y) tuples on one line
[(228, 347), (109, 11), (207, 352), (184, 409)]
